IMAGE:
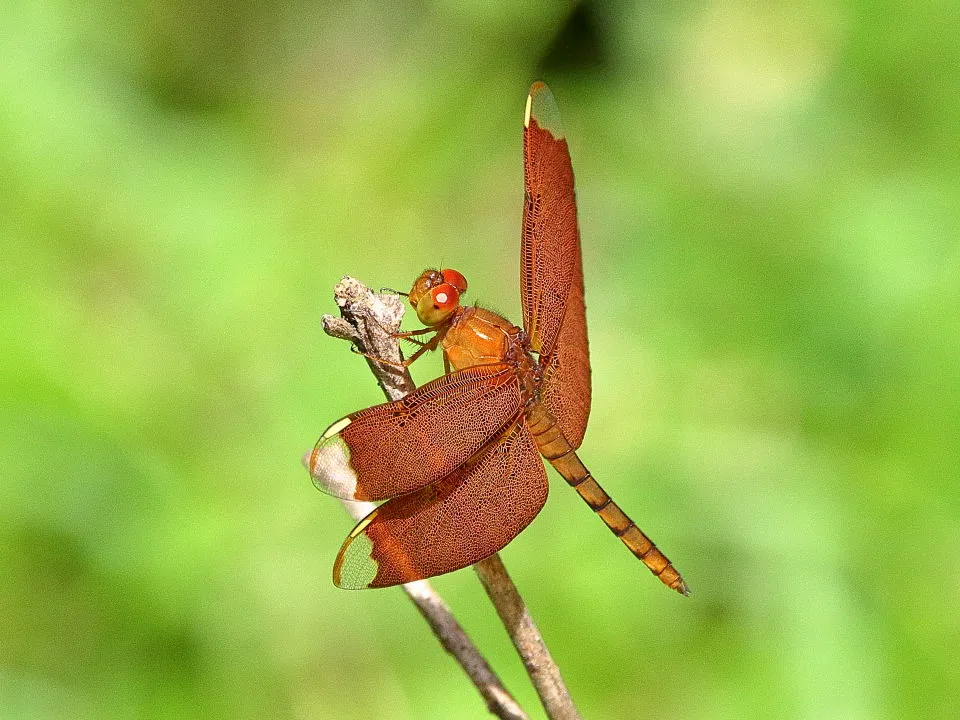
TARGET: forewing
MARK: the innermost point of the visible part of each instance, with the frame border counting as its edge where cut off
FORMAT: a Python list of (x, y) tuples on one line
[(398, 447), (550, 242), (554, 312), (457, 521)]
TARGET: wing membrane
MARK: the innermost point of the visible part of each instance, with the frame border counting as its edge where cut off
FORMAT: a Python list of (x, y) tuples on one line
[(457, 521), (398, 447), (565, 390), (550, 242), (554, 313)]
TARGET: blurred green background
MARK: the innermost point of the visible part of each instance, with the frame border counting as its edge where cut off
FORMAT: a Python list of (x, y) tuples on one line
[(769, 209)]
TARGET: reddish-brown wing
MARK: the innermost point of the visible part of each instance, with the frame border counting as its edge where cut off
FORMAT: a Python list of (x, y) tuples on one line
[(398, 447), (457, 521), (554, 313), (550, 241), (565, 390)]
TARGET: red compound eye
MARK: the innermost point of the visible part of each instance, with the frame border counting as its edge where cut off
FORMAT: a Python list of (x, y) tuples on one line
[(456, 279), (445, 297)]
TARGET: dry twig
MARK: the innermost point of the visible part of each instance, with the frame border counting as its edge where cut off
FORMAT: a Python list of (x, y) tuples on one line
[(539, 664)]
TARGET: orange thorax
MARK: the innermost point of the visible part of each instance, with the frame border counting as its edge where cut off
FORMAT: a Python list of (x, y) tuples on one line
[(478, 337)]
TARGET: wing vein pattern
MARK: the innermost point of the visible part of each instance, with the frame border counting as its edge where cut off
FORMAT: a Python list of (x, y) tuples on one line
[(456, 521), (399, 447), (554, 311)]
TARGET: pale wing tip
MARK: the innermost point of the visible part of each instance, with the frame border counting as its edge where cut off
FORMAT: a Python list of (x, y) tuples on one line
[(542, 107), (330, 467), (355, 568)]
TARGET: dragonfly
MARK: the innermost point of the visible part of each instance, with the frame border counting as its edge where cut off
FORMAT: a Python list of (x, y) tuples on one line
[(457, 462)]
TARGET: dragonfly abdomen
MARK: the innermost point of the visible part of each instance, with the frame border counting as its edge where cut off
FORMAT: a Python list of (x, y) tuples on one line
[(555, 449)]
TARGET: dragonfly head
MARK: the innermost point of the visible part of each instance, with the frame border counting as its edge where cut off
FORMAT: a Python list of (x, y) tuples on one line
[(436, 295)]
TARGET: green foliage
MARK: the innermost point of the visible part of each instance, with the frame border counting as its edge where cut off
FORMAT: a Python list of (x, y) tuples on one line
[(769, 214)]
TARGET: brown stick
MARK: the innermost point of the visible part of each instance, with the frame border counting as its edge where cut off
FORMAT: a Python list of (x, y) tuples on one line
[(543, 671), (368, 320)]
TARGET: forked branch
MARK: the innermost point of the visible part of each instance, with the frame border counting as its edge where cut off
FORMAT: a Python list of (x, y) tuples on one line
[(370, 321)]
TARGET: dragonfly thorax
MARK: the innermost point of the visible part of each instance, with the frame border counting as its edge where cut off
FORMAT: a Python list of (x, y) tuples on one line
[(477, 336)]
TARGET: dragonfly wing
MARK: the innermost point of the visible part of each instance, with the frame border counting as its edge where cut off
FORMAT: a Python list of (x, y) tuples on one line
[(550, 241), (462, 518), (565, 389), (554, 313), (398, 447)]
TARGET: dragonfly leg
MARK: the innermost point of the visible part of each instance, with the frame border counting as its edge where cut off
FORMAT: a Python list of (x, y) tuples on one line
[(431, 344), (412, 333), (409, 336)]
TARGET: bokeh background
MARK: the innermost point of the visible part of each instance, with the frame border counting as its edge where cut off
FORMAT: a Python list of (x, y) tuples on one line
[(769, 208)]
